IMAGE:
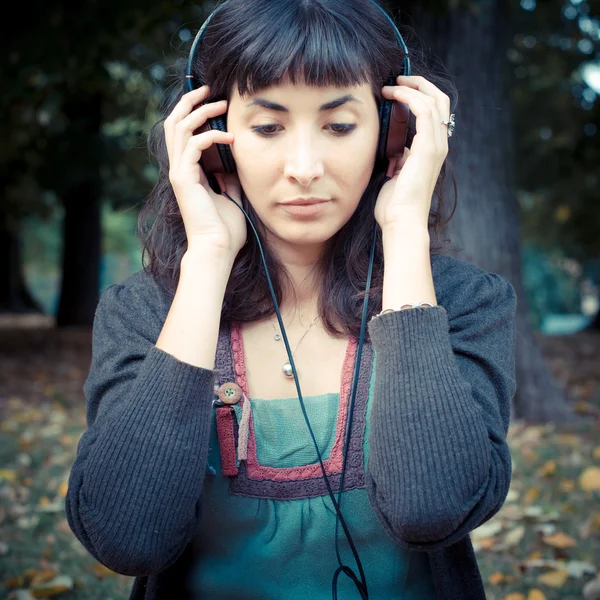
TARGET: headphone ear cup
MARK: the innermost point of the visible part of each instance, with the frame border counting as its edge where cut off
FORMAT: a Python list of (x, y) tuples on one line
[(225, 154), (397, 129), (385, 109), (393, 128), (217, 158)]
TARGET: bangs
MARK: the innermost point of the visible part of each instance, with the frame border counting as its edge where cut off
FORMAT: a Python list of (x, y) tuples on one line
[(313, 42), (317, 52)]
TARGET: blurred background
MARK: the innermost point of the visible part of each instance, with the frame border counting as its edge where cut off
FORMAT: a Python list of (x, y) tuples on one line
[(81, 83)]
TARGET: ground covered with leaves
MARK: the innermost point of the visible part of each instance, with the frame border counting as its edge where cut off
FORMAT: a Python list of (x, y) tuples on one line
[(543, 544)]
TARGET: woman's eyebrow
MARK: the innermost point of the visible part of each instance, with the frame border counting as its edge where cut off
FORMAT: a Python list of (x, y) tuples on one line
[(327, 106)]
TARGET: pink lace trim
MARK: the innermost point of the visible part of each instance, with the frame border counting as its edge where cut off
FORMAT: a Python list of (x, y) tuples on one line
[(333, 464)]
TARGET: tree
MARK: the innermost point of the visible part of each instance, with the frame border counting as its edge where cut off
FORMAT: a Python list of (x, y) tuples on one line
[(473, 39), (78, 91)]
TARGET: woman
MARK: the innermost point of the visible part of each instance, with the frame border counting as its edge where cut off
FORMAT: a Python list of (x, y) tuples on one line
[(225, 499)]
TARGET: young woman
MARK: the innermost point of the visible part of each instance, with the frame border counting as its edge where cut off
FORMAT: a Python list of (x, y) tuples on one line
[(197, 473)]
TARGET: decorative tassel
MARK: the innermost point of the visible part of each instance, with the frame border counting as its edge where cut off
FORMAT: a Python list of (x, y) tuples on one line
[(244, 429)]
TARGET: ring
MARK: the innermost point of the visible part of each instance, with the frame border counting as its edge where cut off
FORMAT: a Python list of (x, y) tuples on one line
[(450, 124)]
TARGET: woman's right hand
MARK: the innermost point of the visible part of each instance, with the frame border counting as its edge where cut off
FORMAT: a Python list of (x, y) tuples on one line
[(211, 220)]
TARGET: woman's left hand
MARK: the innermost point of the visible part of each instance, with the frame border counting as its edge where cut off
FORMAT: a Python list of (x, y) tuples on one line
[(405, 200)]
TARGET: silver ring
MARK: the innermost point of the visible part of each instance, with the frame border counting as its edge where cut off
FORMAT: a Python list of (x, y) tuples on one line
[(451, 123)]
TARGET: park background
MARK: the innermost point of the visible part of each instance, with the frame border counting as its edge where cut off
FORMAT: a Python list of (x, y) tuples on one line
[(81, 84)]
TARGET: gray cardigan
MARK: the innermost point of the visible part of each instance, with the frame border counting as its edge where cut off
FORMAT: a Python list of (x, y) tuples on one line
[(439, 463)]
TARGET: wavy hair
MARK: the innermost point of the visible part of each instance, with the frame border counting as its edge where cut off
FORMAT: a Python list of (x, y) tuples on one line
[(258, 43)]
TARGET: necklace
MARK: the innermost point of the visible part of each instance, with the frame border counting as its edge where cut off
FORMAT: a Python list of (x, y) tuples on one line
[(287, 367)]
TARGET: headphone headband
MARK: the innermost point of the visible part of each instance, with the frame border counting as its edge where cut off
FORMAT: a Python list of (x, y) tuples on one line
[(189, 76)]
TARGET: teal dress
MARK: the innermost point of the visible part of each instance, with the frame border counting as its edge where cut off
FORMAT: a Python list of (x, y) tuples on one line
[(268, 528)]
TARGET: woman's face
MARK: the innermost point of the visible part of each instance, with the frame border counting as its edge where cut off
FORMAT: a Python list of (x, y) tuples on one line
[(288, 144)]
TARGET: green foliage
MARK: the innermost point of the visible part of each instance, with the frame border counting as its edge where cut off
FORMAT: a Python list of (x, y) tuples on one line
[(550, 288), (81, 88), (42, 252), (80, 92), (557, 118)]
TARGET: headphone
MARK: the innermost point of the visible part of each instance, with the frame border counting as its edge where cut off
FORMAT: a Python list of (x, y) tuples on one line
[(218, 158)]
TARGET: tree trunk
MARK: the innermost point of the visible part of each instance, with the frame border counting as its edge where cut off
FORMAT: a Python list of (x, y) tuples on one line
[(485, 227), (81, 255), (80, 284), (14, 294)]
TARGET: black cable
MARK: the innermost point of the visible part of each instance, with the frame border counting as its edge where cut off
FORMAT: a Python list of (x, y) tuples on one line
[(362, 584)]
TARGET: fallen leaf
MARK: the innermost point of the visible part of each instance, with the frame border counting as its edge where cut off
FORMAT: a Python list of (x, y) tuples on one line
[(8, 474), (536, 594), (531, 495), (42, 576), (554, 578), (590, 479), (512, 538), (62, 489), (512, 496), (579, 568), (486, 530), (101, 571), (496, 578), (59, 584), (560, 540), (567, 485), (547, 469)]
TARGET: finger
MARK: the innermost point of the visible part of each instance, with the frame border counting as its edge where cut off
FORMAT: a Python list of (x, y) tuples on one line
[(196, 145), (183, 108), (184, 130), (423, 85), (426, 110)]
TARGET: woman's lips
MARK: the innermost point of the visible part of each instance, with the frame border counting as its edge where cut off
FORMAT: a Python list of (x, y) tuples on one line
[(305, 210)]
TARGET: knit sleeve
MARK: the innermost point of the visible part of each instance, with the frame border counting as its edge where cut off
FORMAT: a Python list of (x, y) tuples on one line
[(135, 488), (439, 462)]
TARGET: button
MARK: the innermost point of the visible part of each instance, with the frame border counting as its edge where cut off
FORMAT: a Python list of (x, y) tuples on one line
[(230, 393)]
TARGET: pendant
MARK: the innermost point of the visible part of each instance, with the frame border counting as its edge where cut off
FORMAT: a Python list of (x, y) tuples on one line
[(277, 337), (287, 370)]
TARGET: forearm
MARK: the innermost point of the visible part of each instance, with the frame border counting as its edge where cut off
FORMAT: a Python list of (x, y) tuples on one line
[(191, 329), (439, 463), (136, 485), (430, 455), (407, 275)]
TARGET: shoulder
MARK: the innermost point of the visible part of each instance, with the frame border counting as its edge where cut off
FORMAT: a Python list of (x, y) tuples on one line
[(138, 296), (462, 286)]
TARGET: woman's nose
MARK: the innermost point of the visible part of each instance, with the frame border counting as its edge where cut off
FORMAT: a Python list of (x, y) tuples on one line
[(303, 160)]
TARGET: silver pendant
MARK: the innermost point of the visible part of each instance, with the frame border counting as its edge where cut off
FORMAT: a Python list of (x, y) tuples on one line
[(287, 370), (277, 337)]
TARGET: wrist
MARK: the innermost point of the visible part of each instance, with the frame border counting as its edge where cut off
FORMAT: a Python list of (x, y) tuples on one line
[(394, 235), (400, 243), (205, 259), (198, 254)]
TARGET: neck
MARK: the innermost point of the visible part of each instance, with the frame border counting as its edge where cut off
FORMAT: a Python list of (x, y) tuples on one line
[(302, 284)]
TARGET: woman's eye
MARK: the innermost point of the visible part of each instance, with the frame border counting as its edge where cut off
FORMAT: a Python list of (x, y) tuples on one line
[(344, 128), (338, 129), (262, 130)]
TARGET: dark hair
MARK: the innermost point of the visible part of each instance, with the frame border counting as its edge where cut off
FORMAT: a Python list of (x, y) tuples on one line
[(257, 43)]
